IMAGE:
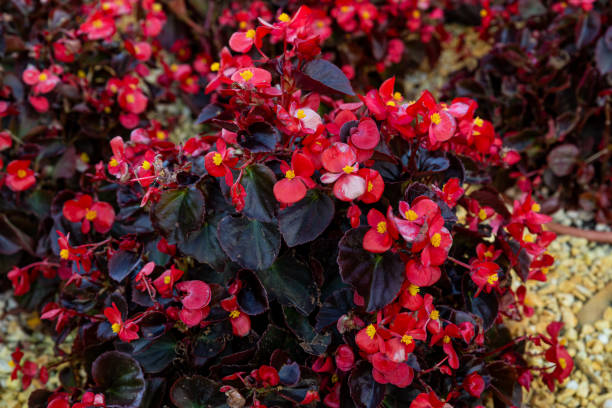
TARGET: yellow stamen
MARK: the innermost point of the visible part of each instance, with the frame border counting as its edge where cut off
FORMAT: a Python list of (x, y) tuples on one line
[(300, 114), (482, 214), (167, 279), (217, 159), (371, 331), (21, 173), (284, 17), (42, 77), (157, 7), (174, 67), (366, 15), (334, 378), (64, 253), (434, 315), (97, 23), (370, 186), (545, 270), (390, 103), (146, 165), (345, 9), (435, 118), (246, 75), (290, 174), (348, 169), (536, 207), (250, 33), (529, 237), (11, 364), (446, 339), (411, 215), (81, 73), (160, 135), (478, 122), (242, 24), (234, 314), (214, 67), (84, 157), (381, 227), (406, 339), (113, 162), (116, 327), (436, 239), (483, 13), (416, 14), (130, 98), (562, 363), (413, 289), (107, 109), (488, 254), (492, 279), (91, 215), (397, 96)]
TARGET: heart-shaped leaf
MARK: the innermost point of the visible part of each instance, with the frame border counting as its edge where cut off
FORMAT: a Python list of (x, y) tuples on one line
[(250, 243), (305, 220), (119, 378), (290, 282), (376, 277), (258, 181), (204, 246), (156, 355), (178, 212)]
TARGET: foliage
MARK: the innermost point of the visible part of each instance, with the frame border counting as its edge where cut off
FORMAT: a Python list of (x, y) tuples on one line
[(256, 228)]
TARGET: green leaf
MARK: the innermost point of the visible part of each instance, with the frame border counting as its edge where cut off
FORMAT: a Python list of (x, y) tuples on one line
[(250, 243), (291, 283), (122, 264), (204, 246), (178, 212), (305, 220), (258, 181), (119, 378), (376, 277), (312, 342), (155, 356), (195, 392)]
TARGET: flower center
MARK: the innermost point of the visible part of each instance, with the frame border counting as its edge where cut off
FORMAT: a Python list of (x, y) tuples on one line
[(413, 289), (488, 254), (370, 186), (146, 165), (482, 214), (381, 227), (348, 169), (21, 173), (492, 279), (160, 135), (436, 239), (416, 14), (529, 237), (536, 207), (300, 114), (116, 327), (435, 315), (435, 118), (167, 279), (446, 339), (390, 103), (157, 7), (284, 17), (234, 314), (64, 253), (411, 215), (91, 215), (562, 363), (173, 67), (130, 98), (242, 24), (250, 33), (84, 157), (113, 162), (42, 77), (97, 23), (246, 75), (217, 159), (406, 339), (214, 66), (345, 9), (366, 15), (397, 96), (371, 331), (478, 122), (290, 174), (483, 13)]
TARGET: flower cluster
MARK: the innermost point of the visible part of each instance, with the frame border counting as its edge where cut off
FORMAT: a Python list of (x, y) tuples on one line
[(179, 206)]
